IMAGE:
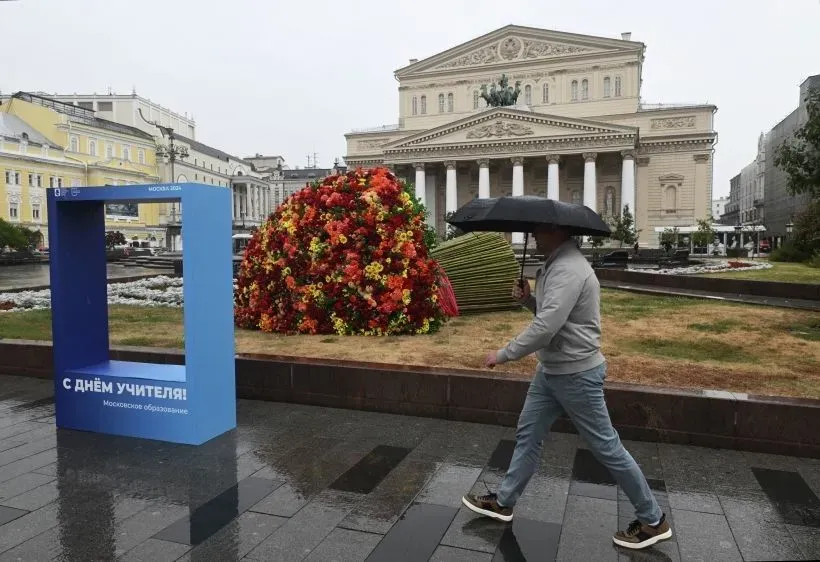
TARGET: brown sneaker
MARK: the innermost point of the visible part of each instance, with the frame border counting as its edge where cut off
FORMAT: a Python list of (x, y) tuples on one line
[(639, 535), (488, 506)]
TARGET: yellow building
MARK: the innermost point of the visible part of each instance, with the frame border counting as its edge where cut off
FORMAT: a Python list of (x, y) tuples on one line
[(48, 143)]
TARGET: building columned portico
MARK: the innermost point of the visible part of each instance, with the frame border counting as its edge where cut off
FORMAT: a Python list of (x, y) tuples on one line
[(578, 133)]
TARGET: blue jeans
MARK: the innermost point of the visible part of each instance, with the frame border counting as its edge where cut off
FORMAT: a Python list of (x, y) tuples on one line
[(581, 396)]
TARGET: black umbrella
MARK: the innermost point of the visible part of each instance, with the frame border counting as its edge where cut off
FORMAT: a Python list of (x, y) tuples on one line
[(525, 214)]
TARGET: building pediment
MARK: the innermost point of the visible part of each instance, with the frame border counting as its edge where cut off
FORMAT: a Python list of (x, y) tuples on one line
[(513, 44), (507, 124)]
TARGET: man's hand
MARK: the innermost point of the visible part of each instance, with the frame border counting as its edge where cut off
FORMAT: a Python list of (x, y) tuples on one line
[(521, 290), (492, 359)]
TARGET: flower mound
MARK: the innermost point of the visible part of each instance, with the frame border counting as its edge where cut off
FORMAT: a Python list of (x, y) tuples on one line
[(344, 256)]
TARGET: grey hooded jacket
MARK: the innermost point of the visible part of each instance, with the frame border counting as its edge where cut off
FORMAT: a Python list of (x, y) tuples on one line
[(566, 332)]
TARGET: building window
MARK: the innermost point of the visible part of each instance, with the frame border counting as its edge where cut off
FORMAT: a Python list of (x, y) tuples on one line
[(545, 94), (607, 87), (109, 151), (35, 211), (424, 105), (12, 177), (528, 95), (450, 103), (105, 106), (92, 147), (415, 105), (670, 199), (55, 182), (14, 210), (441, 103), (575, 197), (584, 89), (573, 90), (476, 97), (141, 156), (617, 86), (86, 105), (126, 153), (74, 144), (35, 180)]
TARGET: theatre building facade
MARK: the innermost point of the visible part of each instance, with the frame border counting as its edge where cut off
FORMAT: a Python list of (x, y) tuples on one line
[(578, 131)]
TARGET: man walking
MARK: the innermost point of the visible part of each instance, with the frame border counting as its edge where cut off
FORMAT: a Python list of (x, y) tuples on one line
[(566, 338)]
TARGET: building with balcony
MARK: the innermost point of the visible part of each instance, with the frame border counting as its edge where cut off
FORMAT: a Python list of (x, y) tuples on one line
[(579, 132)]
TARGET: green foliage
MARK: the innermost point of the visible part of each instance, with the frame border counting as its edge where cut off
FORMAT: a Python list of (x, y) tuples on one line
[(807, 228), (114, 238), (799, 156), (788, 252), (704, 235), (17, 237), (430, 238), (669, 238), (623, 228)]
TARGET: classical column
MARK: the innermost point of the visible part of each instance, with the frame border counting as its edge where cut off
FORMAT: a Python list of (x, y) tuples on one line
[(552, 177), (421, 175), (703, 186), (628, 181), (518, 190), (451, 200), (233, 203), (484, 179), (590, 182)]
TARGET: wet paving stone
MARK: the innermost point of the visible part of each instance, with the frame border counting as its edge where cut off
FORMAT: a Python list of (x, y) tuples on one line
[(297, 482)]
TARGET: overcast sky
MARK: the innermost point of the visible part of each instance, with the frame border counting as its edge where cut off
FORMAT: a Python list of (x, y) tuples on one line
[(290, 78)]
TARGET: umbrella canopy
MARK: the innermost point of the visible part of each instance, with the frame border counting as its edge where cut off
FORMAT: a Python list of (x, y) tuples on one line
[(526, 213)]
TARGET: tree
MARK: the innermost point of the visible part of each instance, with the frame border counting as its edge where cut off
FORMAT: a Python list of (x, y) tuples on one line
[(113, 239), (799, 156), (623, 228), (807, 228), (704, 235), (669, 238), (12, 236)]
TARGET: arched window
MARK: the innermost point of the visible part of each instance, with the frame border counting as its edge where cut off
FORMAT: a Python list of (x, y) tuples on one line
[(126, 153), (607, 87), (475, 99), (670, 198), (528, 95), (92, 147), (573, 90), (584, 89), (141, 156), (617, 86), (415, 105), (450, 103), (75, 144), (575, 197), (545, 94), (423, 105), (441, 103)]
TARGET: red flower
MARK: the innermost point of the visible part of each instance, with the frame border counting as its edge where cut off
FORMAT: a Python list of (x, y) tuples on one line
[(331, 258)]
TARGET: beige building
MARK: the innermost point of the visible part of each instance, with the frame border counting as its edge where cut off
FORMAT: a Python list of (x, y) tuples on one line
[(578, 133)]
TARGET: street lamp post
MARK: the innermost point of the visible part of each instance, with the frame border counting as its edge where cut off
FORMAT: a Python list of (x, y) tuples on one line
[(172, 152)]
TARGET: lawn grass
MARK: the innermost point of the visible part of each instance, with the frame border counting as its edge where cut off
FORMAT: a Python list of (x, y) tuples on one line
[(780, 271), (655, 340)]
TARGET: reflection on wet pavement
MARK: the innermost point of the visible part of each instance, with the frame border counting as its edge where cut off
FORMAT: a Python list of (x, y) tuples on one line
[(304, 483), (37, 275)]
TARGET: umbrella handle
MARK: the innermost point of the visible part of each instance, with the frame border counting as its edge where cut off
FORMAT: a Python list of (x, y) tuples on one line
[(523, 259)]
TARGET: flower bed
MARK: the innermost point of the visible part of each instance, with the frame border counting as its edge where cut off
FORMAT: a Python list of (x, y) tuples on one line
[(155, 291), (715, 267)]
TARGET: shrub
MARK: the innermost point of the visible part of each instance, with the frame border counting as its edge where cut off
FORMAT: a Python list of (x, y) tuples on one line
[(788, 252)]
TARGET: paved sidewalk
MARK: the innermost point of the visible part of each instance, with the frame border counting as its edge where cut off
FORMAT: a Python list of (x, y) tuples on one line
[(305, 483)]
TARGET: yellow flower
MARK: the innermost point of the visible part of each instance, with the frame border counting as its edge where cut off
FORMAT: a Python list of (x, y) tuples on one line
[(405, 296), (342, 239)]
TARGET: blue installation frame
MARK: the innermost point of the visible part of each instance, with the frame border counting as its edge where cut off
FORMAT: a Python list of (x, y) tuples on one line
[(189, 403)]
